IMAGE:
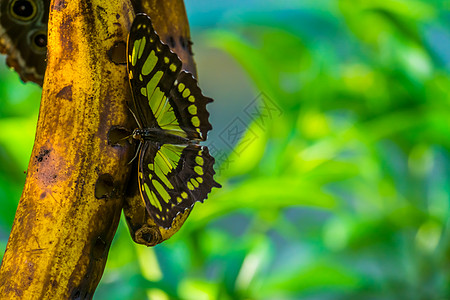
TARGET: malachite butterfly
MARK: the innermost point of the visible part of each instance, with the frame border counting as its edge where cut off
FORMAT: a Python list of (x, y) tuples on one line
[(23, 36), (174, 170)]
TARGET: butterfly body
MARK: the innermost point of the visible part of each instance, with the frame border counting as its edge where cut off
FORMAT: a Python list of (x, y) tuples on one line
[(174, 170), (159, 136)]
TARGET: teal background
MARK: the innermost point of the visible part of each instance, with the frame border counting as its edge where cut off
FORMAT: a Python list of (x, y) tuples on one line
[(337, 189)]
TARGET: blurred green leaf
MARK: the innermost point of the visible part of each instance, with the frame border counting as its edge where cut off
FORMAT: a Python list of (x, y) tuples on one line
[(340, 192)]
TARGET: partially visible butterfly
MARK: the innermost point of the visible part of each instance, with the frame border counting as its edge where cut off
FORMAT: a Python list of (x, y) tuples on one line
[(23, 36), (170, 109)]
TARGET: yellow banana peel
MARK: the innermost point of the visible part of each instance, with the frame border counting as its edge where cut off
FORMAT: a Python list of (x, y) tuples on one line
[(74, 190), (77, 179)]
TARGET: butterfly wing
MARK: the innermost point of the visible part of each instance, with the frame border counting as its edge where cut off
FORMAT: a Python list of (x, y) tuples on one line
[(190, 107), (152, 69), (174, 177), (171, 177), (163, 96), (23, 36)]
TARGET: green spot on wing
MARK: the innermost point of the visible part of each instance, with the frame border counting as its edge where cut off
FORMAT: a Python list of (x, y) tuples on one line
[(150, 63), (152, 197), (198, 170), (162, 163), (192, 109), (138, 49), (161, 191), (181, 87), (199, 160), (195, 121), (194, 182), (153, 82)]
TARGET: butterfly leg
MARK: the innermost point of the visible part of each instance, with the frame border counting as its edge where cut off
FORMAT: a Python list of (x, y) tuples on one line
[(137, 152)]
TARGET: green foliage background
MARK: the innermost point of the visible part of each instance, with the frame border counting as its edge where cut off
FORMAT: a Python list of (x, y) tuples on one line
[(339, 189)]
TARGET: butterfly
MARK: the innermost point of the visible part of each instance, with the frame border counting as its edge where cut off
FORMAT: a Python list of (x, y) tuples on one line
[(174, 170), (23, 36)]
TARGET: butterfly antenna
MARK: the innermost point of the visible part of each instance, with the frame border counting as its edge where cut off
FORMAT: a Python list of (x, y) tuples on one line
[(134, 116)]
